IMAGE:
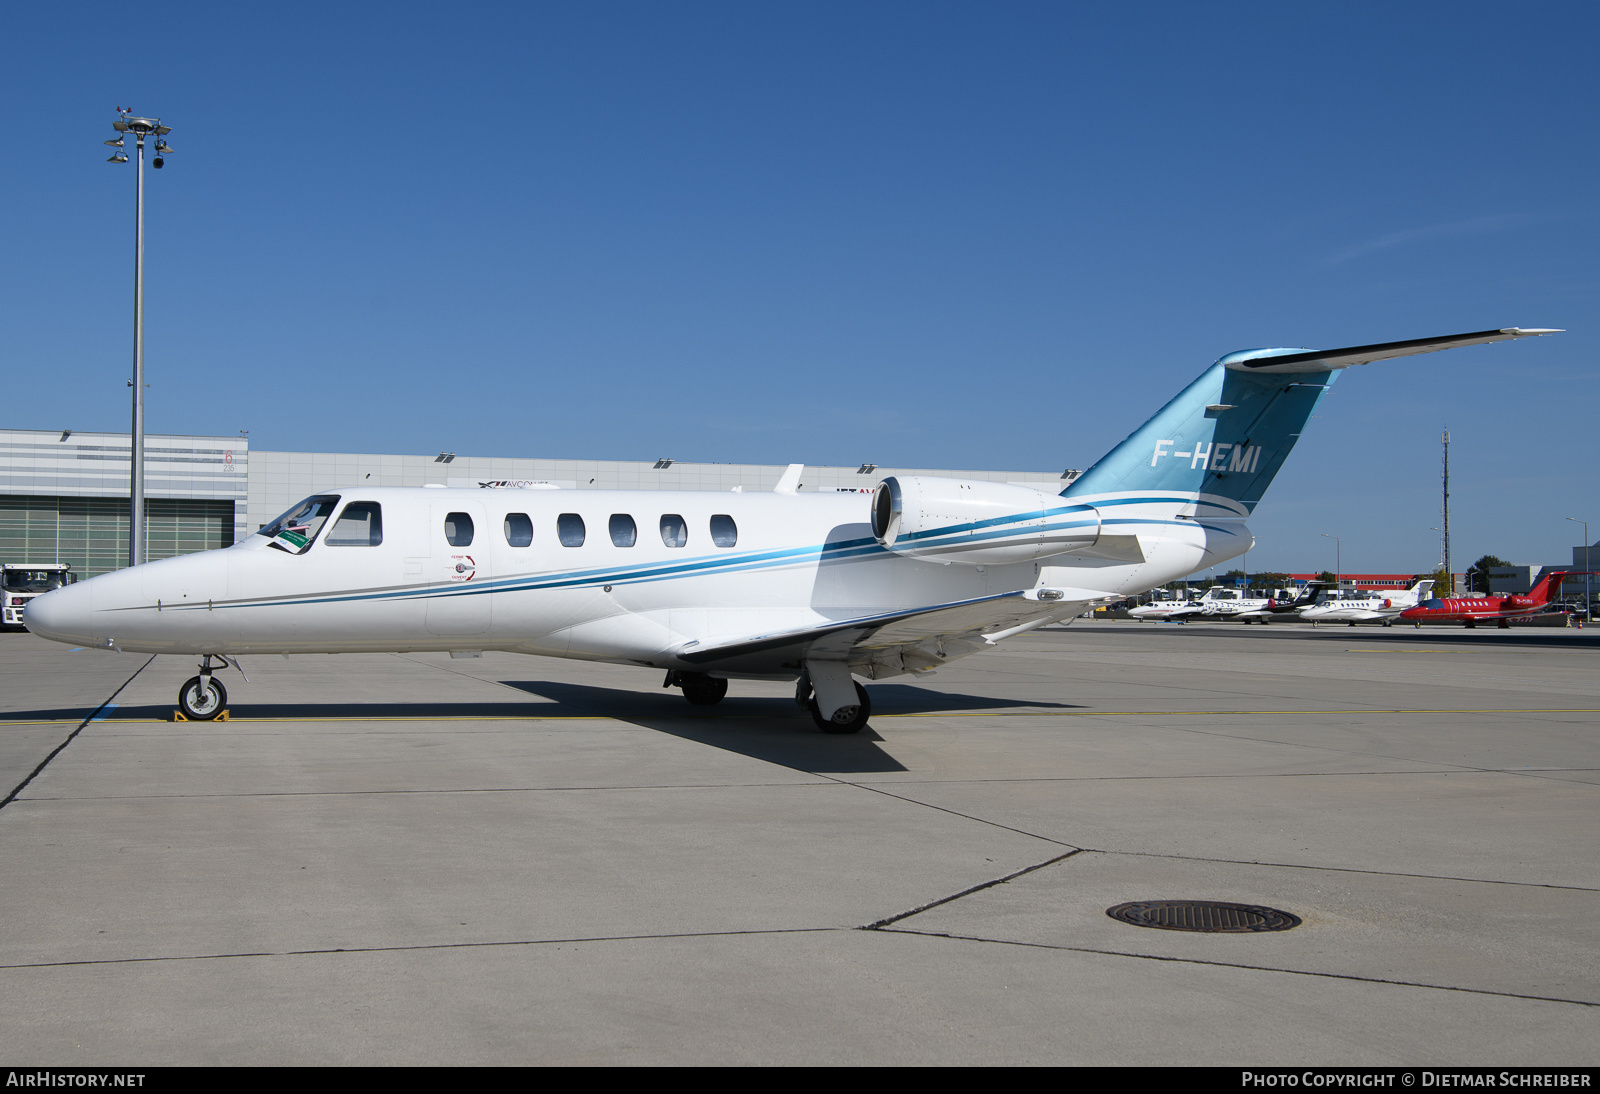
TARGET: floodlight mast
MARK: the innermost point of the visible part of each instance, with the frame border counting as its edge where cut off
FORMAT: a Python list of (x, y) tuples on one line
[(140, 128)]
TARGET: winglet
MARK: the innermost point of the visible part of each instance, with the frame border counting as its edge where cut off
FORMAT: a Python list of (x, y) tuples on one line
[(789, 483)]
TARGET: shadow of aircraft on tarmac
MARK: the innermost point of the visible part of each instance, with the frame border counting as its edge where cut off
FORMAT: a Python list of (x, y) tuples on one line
[(768, 728)]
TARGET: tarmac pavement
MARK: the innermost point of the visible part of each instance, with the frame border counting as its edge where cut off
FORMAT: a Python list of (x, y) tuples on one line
[(411, 859)]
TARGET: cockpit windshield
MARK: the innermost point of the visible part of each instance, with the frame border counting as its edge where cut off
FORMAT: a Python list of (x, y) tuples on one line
[(297, 529)]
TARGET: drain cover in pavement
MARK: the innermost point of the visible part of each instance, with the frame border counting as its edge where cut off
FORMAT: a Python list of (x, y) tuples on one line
[(1211, 916)]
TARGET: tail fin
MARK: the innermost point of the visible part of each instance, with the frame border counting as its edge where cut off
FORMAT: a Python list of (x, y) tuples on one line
[(1549, 585), (1227, 433), (1422, 588)]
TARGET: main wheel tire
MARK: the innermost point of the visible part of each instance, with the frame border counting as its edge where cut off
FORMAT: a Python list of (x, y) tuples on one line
[(845, 719), (202, 706), (706, 692)]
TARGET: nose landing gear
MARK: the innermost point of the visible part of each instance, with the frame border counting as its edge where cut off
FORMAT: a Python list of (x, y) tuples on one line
[(202, 698)]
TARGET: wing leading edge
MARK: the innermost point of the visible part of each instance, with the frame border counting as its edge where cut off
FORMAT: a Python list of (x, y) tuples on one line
[(892, 643)]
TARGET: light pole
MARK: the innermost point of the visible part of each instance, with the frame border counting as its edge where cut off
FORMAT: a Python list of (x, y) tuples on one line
[(1338, 563), (1587, 614), (140, 128)]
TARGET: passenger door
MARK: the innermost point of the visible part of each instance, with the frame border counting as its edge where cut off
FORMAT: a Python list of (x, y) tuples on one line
[(461, 539)]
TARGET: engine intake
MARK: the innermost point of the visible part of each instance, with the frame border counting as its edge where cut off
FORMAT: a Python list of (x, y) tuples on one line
[(978, 523)]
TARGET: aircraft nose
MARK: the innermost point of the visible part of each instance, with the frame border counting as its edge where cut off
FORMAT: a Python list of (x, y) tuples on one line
[(62, 615)]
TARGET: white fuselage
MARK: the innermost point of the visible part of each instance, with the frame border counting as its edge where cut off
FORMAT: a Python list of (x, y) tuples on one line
[(1161, 610), (1377, 606), (798, 560), (1220, 603)]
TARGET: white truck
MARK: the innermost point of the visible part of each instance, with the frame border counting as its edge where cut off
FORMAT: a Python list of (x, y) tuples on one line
[(21, 582)]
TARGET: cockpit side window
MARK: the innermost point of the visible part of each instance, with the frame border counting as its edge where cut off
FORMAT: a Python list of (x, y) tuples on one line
[(360, 525), (296, 530)]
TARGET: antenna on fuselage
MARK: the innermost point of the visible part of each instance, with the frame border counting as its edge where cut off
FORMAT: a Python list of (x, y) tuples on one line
[(789, 482)]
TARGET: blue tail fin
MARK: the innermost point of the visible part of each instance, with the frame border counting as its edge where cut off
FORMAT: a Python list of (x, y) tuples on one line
[(1225, 434)]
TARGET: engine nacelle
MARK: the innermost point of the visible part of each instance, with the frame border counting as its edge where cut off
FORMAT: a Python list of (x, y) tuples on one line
[(978, 523)]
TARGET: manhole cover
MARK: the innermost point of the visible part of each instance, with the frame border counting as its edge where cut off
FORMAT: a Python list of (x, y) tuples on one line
[(1212, 916)]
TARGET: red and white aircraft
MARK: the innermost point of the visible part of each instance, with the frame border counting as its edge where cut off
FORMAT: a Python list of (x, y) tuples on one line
[(1472, 610)]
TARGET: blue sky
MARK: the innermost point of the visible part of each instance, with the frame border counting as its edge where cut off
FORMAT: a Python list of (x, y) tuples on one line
[(916, 234)]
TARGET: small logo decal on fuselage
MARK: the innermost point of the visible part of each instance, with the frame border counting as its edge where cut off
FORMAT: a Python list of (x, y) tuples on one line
[(1218, 456)]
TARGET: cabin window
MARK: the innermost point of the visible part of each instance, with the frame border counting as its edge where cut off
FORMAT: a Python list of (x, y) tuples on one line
[(724, 533), (569, 529), (624, 533), (519, 530), (360, 525), (458, 530), (297, 529), (674, 531)]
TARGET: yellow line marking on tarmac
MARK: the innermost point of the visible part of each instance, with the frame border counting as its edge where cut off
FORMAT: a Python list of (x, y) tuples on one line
[(354, 718), (1403, 649), (1204, 713)]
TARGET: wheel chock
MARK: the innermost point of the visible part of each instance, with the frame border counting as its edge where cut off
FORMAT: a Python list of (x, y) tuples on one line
[(178, 716)]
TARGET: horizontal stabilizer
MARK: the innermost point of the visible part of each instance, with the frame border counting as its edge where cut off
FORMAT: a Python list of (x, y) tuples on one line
[(1323, 360)]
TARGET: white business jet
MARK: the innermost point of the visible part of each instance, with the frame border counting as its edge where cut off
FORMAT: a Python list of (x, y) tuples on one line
[(1162, 611), (1223, 604), (1371, 606), (818, 588), (1275, 608)]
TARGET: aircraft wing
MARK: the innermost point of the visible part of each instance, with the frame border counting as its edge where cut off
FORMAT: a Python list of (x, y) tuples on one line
[(891, 643), (1322, 360)]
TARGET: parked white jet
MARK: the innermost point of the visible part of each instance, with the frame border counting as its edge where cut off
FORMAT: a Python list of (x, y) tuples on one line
[(1217, 603), (1161, 611), (1224, 604), (1371, 606), (712, 587)]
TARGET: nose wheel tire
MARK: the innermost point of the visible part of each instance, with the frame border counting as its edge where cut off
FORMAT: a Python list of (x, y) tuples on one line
[(845, 719), (202, 704)]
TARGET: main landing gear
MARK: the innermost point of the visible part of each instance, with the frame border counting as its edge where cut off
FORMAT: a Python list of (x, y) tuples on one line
[(845, 719), (698, 688), (706, 691), (203, 697)]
